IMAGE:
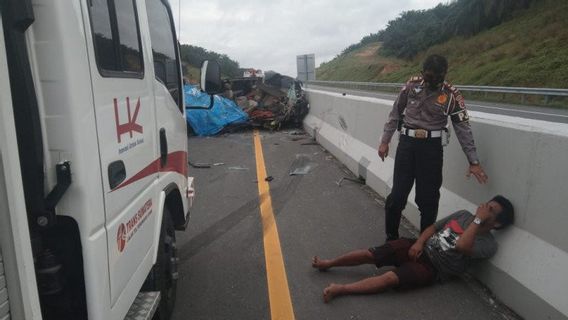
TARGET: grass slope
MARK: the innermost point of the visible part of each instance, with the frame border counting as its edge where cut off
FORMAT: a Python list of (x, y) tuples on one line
[(530, 50)]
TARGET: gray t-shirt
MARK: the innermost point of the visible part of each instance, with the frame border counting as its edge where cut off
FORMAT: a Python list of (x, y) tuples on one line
[(440, 247)]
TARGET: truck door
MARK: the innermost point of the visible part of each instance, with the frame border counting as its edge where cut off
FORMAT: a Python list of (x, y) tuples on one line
[(125, 115), (170, 117)]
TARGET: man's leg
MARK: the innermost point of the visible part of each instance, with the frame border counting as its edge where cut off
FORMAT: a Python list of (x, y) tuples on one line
[(353, 258), (389, 254), (408, 275), (366, 286), (430, 157), (402, 184)]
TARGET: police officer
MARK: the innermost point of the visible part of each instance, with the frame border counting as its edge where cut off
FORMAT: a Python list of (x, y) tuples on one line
[(421, 113)]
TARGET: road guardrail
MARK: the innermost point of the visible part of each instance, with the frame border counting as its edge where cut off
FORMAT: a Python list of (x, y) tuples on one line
[(522, 91)]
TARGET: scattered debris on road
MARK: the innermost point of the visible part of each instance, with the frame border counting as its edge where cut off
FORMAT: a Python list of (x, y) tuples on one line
[(199, 165), (301, 165), (359, 180), (238, 168)]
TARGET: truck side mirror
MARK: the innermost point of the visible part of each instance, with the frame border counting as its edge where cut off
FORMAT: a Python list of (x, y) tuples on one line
[(211, 77)]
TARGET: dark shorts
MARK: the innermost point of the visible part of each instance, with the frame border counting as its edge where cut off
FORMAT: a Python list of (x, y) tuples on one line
[(411, 274)]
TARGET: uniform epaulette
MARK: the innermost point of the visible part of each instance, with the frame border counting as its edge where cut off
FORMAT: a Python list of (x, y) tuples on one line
[(456, 93), (451, 87), (414, 79)]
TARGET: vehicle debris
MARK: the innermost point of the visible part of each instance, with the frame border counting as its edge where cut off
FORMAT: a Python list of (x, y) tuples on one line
[(359, 180), (301, 165), (207, 116), (199, 165), (271, 102), (238, 168)]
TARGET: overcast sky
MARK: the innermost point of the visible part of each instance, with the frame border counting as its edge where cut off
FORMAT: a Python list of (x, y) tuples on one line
[(268, 35)]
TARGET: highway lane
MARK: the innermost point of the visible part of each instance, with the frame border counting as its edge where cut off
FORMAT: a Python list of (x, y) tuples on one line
[(224, 272), (527, 112)]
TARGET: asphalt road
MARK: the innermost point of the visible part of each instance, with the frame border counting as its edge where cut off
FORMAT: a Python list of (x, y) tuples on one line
[(223, 274), (522, 111)]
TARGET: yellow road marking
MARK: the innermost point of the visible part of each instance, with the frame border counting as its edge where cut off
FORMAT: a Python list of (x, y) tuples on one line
[(278, 291)]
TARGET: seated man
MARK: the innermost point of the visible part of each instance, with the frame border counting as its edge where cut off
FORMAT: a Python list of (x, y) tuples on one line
[(445, 248)]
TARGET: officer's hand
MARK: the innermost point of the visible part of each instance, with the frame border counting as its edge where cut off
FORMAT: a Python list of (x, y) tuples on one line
[(478, 172), (415, 251), (383, 150)]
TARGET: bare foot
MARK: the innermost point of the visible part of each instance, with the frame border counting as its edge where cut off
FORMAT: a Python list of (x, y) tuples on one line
[(330, 292), (320, 264)]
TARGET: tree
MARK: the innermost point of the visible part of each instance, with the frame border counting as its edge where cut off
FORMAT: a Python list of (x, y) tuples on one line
[(194, 56), (415, 31)]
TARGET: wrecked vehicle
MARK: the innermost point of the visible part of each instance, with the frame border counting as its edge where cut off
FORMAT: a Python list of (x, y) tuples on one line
[(273, 102), (208, 115)]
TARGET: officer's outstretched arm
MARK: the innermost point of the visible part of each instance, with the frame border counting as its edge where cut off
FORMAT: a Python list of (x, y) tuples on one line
[(462, 127)]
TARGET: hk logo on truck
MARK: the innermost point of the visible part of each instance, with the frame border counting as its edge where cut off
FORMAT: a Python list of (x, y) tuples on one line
[(130, 126)]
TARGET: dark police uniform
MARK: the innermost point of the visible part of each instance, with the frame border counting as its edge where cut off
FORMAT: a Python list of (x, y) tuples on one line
[(424, 114)]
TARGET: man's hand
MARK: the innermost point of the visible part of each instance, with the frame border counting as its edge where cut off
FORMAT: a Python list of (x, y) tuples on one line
[(383, 150), (416, 250), (478, 172), (466, 241), (483, 212)]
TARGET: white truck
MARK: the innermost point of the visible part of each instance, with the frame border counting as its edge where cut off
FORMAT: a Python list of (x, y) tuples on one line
[(93, 159)]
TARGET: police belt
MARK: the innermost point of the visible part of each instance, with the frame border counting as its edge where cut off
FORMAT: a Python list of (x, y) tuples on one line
[(421, 133)]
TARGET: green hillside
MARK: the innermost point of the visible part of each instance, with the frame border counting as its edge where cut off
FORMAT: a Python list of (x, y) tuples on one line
[(193, 56), (531, 49)]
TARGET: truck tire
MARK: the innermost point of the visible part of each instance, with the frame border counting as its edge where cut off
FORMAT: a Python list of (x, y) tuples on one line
[(163, 276)]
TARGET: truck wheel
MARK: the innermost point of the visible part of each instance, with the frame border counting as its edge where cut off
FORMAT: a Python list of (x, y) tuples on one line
[(163, 276)]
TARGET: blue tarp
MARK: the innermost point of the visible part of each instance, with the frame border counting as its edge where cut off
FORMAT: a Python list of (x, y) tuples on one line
[(208, 122)]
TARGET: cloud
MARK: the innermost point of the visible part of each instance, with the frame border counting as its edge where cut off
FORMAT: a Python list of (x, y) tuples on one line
[(269, 35)]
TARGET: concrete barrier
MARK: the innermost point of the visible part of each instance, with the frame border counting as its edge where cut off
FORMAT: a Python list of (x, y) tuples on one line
[(526, 162)]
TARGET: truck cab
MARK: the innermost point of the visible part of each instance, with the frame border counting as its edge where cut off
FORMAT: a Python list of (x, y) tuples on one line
[(94, 158)]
